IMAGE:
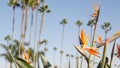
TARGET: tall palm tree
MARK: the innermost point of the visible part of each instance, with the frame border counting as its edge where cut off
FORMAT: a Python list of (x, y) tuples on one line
[(63, 22), (106, 27), (26, 2), (54, 56), (36, 28), (79, 24), (22, 26), (44, 9), (14, 4), (32, 5)]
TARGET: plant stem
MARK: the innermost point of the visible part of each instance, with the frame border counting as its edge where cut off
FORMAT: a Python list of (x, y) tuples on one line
[(112, 53), (104, 53)]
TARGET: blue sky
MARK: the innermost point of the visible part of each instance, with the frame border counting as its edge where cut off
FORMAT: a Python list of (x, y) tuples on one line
[(72, 10)]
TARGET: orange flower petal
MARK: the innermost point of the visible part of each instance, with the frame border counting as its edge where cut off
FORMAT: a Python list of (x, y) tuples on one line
[(82, 34), (99, 39), (118, 49), (83, 38), (93, 51), (94, 14), (96, 8)]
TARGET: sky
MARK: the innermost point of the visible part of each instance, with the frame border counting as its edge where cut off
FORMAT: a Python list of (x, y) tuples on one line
[(72, 10)]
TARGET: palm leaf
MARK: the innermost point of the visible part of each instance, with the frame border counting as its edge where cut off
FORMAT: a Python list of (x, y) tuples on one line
[(7, 57)]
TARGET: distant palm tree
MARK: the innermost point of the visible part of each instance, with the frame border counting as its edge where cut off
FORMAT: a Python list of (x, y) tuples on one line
[(45, 50), (79, 24), (72, 56), (45, 42), (63, 22), (67, 58), (54, 55), (91, 23), (107, 27)]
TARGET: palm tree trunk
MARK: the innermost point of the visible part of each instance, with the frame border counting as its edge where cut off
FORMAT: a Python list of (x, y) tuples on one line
[(36, 27), (38, 62), (26, 20), (42, 23), (77, 61), (31, 28), (62, 46), (10, 65), (21, 30), (69, 64), (54, 59), (13, 24)]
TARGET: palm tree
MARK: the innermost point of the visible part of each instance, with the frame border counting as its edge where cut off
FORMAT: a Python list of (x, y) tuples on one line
[(91, 23), (54, 55), (45, 43), (12, 47), (67, 57), (14, 4), (107, 27), (6, 55), (72, 56), (45, 50), (44, 9), (27, 3), (63, 22), (79, 23), (32, 5), (36, 28)]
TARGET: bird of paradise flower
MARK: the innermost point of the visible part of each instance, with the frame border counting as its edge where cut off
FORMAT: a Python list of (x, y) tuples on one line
[(83, 50)]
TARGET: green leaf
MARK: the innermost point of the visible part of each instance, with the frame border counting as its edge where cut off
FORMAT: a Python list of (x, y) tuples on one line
[(8, 38), (19, 62), (45, 62), (22, 63), (106, 64)]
